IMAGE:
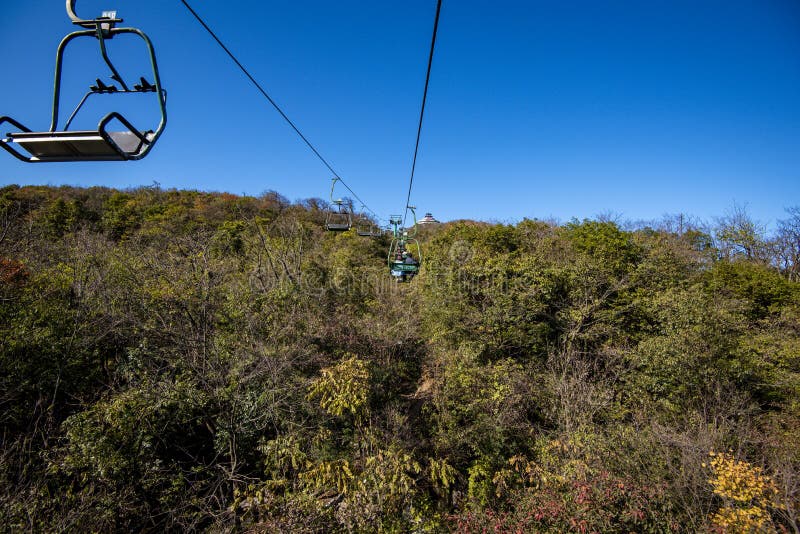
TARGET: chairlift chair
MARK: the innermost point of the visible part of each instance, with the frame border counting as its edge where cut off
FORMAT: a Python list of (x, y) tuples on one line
[(91, 145), (340, 219), (401, 243), (398, 268), (366, 228)]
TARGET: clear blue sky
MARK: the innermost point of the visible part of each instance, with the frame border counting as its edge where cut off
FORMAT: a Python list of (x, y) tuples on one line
[(535, 109)]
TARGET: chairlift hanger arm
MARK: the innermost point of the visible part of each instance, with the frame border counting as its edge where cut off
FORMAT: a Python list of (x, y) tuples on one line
[(414, 214), (344, 202), (102, 27), (105, 22), (114, 31), (333, 186)]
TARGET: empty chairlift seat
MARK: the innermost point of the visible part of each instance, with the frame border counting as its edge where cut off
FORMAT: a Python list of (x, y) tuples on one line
[(338, 220), (366, 228), (78, 145)]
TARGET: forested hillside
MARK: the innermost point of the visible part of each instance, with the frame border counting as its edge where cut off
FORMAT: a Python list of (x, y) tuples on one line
[(178, 360)]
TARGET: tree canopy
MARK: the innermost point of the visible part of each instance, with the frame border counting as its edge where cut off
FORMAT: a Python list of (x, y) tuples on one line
[(181, 360)]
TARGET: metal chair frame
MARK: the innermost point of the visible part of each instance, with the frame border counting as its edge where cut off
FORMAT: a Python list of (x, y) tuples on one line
[(340, 220), (92, 145)]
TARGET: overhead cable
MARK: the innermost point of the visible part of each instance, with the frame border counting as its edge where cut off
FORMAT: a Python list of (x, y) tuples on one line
[(274, 104), (422, 109)]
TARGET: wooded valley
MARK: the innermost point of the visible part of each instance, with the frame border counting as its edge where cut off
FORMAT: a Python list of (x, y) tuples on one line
[(180, 360)]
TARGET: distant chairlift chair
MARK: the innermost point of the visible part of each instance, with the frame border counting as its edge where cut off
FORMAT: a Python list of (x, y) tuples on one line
[(340, 219), (366, 228), (93, 145), (400, 268)]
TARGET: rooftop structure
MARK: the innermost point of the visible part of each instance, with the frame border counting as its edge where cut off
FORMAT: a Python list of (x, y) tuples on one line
[(428, 219)]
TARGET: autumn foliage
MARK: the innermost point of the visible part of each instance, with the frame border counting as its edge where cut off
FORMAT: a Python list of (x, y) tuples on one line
[(194, 361)]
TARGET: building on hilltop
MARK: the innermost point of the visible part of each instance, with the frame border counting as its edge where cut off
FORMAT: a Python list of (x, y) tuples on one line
[(428, 219)]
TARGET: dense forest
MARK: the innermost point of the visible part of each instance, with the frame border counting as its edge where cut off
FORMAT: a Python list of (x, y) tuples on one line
[(180, 360)]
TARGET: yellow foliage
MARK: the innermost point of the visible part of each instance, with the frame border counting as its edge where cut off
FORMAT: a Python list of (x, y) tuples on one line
[(343, 387), (747, 494), (744, 520), (281, 455), (387, 471), (441, 474), (329, 475)]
